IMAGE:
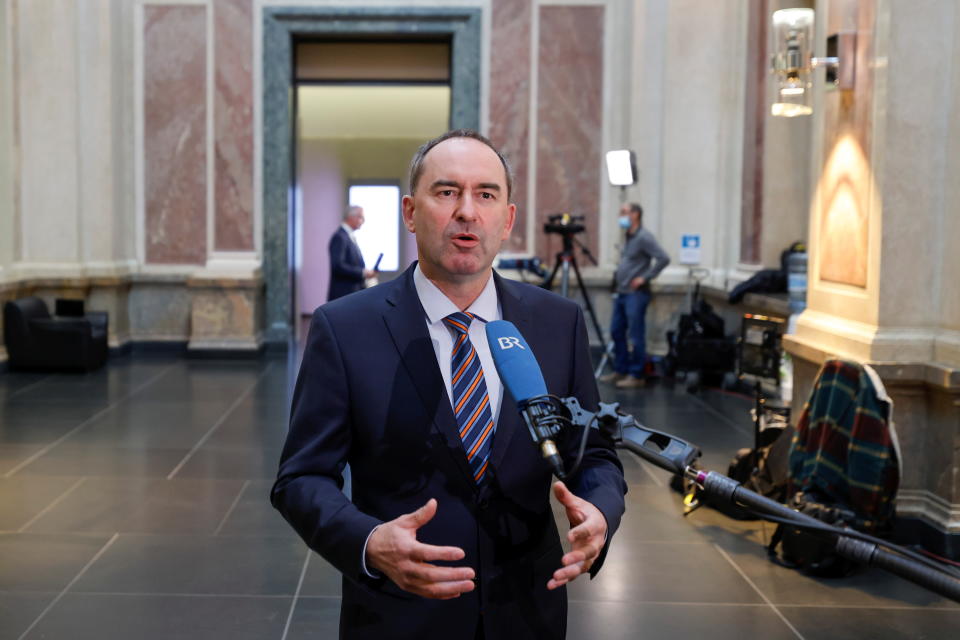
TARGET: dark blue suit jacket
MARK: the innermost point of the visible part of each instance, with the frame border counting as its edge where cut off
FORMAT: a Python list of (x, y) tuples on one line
[(346, 266), (370, 393)]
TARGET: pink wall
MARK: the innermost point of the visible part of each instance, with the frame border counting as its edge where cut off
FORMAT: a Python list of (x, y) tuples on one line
[(233, 128), (322, 196), (175, 134), (569, 119), (510, 101)]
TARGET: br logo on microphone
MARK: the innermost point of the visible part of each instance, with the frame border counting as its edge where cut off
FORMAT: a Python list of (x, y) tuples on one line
[(509, 342)]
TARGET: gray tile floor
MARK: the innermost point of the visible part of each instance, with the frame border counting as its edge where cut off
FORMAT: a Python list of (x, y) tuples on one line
[(133, 504)]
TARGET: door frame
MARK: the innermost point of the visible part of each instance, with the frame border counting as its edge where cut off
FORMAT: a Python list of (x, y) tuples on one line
[(281, 27)]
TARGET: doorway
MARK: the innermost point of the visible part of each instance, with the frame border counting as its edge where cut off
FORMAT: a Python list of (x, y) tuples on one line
[(356, 136), (281, 30)]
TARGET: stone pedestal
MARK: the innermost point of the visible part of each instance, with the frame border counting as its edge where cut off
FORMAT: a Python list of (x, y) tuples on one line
[(226, 314), (926, 418), (882, 284)]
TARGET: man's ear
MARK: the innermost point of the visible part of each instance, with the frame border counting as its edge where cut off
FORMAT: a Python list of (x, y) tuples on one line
[(407, 210), (511, 218)]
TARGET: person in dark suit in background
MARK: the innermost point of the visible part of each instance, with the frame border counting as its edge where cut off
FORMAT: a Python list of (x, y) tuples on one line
[(448, 531), (347, 272)]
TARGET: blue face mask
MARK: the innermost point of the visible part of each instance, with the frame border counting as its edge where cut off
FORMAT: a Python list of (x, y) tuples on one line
[(624, 222)]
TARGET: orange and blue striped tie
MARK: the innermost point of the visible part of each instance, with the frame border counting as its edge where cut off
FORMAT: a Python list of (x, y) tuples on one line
[(471, 404)]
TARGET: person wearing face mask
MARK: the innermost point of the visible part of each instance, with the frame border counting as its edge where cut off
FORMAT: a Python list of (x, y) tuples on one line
[(641, 260)]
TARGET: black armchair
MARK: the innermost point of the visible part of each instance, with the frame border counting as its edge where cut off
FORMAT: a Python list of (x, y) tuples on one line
[(37, 341)]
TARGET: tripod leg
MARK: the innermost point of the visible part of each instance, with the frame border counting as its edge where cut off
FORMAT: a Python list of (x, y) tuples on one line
[(548, 283), (565, 277), (607, 349)]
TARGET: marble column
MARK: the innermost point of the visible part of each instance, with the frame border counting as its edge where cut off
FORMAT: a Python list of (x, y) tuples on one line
[(569, 119), (882, 286), (510, 102), (175, 134), (233, 125)]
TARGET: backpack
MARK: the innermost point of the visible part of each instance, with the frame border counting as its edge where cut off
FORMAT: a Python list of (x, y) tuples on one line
[(843, 466)]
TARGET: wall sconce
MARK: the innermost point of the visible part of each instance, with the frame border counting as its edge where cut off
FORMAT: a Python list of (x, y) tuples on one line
[(793, 61)]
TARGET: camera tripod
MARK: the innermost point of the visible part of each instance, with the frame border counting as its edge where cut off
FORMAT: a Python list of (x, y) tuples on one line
[(565, 260)]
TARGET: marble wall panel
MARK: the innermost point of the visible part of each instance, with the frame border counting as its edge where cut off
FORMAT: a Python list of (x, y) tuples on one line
[(510, 101), (46, 130), (233, 118), (174, 136), (159, 312), (755, 110), (847, 176), (569, 119)]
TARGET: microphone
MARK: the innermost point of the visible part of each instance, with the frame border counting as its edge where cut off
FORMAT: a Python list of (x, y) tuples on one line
[(521, 376)]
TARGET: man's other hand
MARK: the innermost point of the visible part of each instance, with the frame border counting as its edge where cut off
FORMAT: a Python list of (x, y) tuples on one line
[(368, 273), (393, 550), (637, 282), (587, 536)]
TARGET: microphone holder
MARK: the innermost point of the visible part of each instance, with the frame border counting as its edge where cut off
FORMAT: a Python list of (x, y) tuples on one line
[(677, 456)]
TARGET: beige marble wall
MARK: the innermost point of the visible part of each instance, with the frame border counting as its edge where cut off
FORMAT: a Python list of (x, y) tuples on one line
[(175, 130), (510, 37), (233, 118), (48, 132), (883, 291), (159, 311), (96, 130), (702, 129), (569, 119), (225, 314), (7, 182)]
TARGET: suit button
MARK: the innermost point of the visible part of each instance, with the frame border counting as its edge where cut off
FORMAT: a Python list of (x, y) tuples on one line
[(483, 503)]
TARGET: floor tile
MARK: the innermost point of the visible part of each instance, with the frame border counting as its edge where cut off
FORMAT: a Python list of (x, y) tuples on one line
[(842, 623), (22, 499), (19, 610), (79, 460), (254, 515), (666, 576), (321, 579), (13, 455), (232, 463), (315, 618), (142, 505), (185, 564), (99, 617), (152, 425), (665, 572), (670, 621), (37, 562)]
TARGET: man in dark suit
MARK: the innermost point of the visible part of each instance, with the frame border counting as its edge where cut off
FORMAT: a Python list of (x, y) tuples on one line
[(449, 532), (347, 272)]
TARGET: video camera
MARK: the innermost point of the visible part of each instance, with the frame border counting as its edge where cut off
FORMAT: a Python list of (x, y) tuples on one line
[(564, 224), (532, 265)]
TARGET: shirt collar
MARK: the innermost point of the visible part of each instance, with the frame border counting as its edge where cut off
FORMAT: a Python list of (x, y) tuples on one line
[(347, 228), (438, 306)]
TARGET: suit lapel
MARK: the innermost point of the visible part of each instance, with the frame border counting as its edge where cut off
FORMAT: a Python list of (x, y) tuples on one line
[(406, 324), (509, 422)]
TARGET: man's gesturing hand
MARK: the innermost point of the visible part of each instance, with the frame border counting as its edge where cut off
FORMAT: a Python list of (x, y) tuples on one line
[(393, 549), (587, 536)]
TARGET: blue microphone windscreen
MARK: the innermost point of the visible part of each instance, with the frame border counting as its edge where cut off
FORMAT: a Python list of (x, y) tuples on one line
[(518, 368)]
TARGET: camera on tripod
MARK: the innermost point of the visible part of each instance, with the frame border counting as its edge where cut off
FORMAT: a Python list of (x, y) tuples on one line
[(564, 224)]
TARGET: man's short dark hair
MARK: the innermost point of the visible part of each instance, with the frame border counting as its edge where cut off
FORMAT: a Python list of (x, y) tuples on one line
[(416, 165), (636, 208)]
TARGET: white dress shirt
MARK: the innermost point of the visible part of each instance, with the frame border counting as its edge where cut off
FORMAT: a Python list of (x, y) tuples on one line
[(350, 233), (437, 307)]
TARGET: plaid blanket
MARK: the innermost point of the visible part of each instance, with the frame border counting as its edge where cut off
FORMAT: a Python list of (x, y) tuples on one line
[(843, 449)]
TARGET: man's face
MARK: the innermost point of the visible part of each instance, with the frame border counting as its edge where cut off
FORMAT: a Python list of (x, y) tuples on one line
[(460, 212), (355, 219)]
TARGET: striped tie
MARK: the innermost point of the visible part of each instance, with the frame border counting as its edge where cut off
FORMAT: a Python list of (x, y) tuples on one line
[(471, 404)]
